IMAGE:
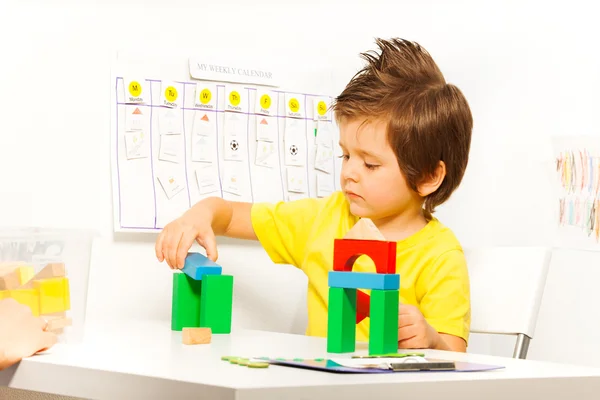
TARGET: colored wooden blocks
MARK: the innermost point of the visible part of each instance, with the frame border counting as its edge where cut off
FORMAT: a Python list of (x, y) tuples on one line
[(216, 303), (383, 331), (341, 323), (197, 265), (185, 304), (44, 293), (363, 280), (348, 305), (346, 251), (202, 297), (196, 336)]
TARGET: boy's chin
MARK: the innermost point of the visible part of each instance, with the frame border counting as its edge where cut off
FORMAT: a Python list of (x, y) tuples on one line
[(359, 211)]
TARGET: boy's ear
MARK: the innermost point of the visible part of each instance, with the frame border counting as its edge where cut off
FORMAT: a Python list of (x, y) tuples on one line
[(432, 182)]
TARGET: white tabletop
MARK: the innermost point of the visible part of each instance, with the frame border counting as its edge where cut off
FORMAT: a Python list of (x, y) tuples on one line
[(145, 359)]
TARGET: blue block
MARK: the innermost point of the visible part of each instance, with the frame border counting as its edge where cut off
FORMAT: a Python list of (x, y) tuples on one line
[(363, 280), (197, 264)]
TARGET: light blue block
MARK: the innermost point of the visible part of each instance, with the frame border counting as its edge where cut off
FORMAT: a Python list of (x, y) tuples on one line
[(197, 264), (363, 280)]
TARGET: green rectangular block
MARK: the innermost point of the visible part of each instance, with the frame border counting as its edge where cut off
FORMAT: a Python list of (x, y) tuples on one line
[(185, 302), (216, 303), (341, 320), (383, 331)]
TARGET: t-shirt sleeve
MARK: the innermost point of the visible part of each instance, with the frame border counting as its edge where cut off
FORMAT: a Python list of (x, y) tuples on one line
[(284, 228), (444, 292)]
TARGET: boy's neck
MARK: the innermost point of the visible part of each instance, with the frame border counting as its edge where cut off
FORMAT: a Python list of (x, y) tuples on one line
[(401, 226)]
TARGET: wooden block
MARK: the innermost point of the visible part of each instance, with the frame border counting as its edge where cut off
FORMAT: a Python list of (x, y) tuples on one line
[(185, 302), (26, 273), (196, 335), (363, 280), (54, 270), (341, 321), (364, 229), (54, 294), (9, 266), (383, 330), (197, 265), (216, 304), (58, 323), (10, 281), (15, 277), (346, 251)]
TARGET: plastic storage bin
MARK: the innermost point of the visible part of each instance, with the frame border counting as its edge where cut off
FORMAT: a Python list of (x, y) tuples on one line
[(24, 252)]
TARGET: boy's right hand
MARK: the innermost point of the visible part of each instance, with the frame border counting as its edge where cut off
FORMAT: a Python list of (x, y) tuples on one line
[(21, 333), (175, 240)]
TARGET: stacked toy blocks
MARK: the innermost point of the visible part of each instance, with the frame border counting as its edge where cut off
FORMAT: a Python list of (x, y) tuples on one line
[(202, 296), (46, 293), (345, 299)]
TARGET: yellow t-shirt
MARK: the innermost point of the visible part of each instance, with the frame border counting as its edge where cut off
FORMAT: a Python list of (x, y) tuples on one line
[(432, 267)]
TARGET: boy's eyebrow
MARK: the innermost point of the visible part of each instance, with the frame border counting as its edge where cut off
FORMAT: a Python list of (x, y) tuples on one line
[(363, 152)]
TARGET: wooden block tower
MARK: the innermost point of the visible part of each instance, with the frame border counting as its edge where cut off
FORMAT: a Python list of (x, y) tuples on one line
[(202, 296), (345, 300)]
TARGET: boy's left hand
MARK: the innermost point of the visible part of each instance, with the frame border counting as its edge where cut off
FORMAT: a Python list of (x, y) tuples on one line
[(413, 330)]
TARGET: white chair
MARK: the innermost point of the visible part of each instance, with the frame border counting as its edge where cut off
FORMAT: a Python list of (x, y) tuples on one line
[(507, 285)]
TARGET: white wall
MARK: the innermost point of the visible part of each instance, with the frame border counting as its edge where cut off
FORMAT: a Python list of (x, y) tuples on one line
[(529, 70)]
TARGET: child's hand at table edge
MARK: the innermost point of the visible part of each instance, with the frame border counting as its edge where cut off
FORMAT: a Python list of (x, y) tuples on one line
[(414, 332)]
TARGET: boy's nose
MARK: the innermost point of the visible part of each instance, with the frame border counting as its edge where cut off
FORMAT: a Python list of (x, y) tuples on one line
[(349, 172)]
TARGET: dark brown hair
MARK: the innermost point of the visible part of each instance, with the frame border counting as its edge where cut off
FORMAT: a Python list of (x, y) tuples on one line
[(428, 119)]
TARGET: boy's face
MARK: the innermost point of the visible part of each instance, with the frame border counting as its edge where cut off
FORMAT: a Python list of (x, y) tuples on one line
[(371, 178)]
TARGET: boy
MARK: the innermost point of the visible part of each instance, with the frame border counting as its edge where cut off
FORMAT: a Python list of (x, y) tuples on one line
[(405, 135)]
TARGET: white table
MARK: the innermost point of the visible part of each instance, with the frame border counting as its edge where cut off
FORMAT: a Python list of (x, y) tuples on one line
[(146, 360)]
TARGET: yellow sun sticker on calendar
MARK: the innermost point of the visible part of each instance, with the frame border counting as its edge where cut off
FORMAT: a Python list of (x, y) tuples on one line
[(294, 105), (135, 89), (265, 101), (234, 98), (322, 108), (171, 94), (205, 96)]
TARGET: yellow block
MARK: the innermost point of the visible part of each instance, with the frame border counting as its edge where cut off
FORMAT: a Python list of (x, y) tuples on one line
[(25, 274), (4, 294), (28, 297), (54, 294)]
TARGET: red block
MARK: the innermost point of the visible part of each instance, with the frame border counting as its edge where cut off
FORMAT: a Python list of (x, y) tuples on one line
[(346, 251), (363, 306)]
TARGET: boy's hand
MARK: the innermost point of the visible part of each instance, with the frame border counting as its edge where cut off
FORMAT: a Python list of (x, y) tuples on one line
[(21, 334), (175, 240), (413, 330)]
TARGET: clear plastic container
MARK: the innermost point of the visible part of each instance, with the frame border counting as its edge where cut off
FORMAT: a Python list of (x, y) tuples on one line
[(36, 248)]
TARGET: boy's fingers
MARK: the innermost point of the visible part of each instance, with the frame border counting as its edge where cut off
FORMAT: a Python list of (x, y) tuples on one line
[(158, 246), (47, 340), (405, 320), (172, 247), (406, 333), (184, 245), (209, 242)]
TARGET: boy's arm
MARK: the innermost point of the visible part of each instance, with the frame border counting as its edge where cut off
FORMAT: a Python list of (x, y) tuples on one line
[(208, 218), (451, 343), (229, 218), (444, 300)]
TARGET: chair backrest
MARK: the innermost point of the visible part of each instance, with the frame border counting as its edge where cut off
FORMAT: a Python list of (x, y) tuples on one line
[(507, 285)]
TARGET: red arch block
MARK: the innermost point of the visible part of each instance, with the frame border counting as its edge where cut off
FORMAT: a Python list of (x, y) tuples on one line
[(346, 251), (383, 254)]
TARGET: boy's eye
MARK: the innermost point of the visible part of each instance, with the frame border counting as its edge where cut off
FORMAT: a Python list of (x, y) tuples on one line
[(344, 156), (371, 166)]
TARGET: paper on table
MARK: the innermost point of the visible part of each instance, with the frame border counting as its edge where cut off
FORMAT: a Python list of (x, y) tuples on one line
[(382, 363)]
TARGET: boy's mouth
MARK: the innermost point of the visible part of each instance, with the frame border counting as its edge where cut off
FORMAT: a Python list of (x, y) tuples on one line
[(352, 195)]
